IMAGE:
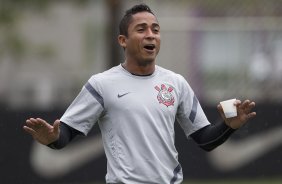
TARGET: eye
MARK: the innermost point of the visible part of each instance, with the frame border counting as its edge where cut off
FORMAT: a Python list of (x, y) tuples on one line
[(140, 30), (156, 30)]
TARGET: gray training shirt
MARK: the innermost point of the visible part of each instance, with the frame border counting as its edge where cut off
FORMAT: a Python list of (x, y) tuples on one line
[(136, 115)]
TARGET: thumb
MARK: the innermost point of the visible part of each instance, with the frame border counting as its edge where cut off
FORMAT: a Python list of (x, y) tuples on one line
[(56, 126), (220, 109)]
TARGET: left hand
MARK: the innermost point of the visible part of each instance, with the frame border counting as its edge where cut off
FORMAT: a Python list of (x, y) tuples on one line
[(243, 114)]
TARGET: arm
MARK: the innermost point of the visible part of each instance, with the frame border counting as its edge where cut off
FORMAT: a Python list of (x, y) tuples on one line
[(67, 134), (211, 136), (55, 136), (41, 131), (243, 114)]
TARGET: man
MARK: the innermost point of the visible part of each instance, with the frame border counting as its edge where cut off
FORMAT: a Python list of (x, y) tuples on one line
[(136, 104)]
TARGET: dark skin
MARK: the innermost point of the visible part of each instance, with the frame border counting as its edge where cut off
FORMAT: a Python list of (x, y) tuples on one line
[(141, 47)]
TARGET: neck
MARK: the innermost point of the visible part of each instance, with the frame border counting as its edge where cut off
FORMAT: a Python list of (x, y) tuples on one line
[(135, 69)]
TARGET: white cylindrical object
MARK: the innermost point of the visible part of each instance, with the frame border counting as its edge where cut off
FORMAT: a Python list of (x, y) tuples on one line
[(229, 109)]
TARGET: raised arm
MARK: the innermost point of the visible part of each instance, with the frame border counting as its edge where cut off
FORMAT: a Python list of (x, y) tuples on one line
[(42, 131), (211, 136), (56, 136), (244, 113)]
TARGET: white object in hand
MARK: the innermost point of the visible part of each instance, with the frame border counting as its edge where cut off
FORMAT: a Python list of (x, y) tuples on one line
[(229, 109)]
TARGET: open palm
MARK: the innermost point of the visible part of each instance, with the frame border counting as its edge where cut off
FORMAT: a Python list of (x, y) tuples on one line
[(42, 131)]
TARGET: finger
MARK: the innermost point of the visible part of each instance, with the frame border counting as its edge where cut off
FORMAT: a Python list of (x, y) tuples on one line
[(219, 107), (245, 104), (29, 130), (248, 106), (56, 126), (34, 121), (237, 102), (41, 122), (31, 121), (37, 123), (251, 115), (251, 106), (31, 124)]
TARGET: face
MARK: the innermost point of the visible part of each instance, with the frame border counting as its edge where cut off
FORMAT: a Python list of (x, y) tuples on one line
[(142, 44)]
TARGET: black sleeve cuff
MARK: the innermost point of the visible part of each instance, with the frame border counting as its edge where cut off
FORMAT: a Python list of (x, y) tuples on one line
[(67, 133), (211, 136)]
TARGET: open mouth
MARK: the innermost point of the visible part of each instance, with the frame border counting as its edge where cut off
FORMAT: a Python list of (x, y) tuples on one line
[(150, 47)]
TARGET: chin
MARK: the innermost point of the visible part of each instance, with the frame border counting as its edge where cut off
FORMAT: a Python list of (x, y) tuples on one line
[(146, 61)]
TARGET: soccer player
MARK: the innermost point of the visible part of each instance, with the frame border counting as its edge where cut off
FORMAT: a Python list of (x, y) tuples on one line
[(136, 104)]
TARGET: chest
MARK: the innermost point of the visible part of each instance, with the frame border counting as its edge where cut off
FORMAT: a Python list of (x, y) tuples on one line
[(141, 96)]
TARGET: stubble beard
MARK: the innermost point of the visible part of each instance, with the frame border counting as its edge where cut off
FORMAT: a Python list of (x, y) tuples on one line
[(142, 59), (145, 62)]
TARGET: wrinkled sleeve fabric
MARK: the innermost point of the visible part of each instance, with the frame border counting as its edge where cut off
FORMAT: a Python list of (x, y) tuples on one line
[(86, 109), (211, 136), (190, 114), (67, 134)]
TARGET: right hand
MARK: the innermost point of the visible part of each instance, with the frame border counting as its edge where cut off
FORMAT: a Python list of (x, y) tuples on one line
[(42, 131)]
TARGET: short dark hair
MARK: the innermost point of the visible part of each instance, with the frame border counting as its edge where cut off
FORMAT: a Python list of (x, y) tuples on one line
[(126, 20)]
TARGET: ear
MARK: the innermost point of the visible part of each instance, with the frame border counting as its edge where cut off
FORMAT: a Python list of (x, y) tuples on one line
[(122, 41)]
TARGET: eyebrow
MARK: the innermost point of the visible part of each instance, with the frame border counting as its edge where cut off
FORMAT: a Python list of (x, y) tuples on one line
[(145, 24)]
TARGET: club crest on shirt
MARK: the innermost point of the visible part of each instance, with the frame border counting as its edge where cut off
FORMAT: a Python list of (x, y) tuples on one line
[(165, 96)]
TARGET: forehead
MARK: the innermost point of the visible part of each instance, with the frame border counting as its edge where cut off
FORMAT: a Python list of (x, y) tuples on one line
[(143, 18)]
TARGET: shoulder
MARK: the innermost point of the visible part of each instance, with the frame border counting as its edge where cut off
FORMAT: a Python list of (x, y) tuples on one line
[(106, 75), (175, 79), (171, 74)]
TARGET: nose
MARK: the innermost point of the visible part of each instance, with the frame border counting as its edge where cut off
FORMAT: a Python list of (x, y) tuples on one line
[(150, 34)]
